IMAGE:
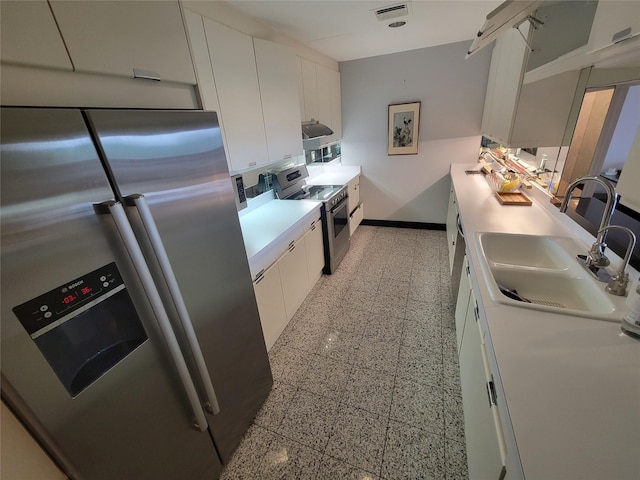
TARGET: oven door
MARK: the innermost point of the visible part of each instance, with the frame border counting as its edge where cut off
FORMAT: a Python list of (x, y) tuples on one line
[(337, 234)]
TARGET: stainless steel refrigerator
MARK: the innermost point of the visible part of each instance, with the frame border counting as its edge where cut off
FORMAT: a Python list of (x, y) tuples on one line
[(131, 341)]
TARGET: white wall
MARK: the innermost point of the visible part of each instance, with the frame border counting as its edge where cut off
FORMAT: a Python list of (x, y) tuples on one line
[(413, 188)]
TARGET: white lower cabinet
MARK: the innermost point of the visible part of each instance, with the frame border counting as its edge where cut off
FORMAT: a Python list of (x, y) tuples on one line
[(464, 293), (356, 207), (273, 317), (281, 288), (294, 277), (355, 218), (484, 439), (314, 248), (452, 226)]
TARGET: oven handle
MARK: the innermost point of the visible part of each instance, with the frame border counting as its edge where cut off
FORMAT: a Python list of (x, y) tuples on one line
[(339, 204)]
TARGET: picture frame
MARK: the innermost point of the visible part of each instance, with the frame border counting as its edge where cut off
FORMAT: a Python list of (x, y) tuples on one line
[(404, 123)]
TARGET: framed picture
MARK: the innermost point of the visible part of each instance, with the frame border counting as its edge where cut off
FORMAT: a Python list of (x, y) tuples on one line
[(404, 120)]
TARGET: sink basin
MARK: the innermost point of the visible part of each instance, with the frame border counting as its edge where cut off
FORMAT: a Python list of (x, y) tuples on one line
[(556, 292), (525, 250), (544, 271)]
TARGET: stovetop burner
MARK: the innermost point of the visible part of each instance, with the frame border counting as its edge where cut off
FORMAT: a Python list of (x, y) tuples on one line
[(320, 193)]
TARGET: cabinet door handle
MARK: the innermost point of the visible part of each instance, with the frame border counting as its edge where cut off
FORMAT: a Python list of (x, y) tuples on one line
[(140, 203), (259, 277), (459, 226), (491, 393), (476, 312), (137, 257)]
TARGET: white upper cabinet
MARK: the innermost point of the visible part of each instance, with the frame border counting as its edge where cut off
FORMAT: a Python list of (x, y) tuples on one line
[(277, 78), (236, 82), (329, 102), (613, 22), (521, 114), (336, 105), (300, 87), (309, 90), (604, 34), (114, 37), (253, 85), (323, 76), (201, 61), (503, 88), (43, 47), (321, 97)]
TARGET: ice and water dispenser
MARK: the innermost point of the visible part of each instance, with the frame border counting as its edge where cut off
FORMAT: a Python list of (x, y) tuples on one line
[(84, 327)]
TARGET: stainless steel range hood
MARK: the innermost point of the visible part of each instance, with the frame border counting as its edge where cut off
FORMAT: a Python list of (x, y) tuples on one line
[(315, 129), (508, 15)]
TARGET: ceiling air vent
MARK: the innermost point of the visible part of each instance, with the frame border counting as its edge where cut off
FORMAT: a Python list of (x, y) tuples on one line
[(393, 11)]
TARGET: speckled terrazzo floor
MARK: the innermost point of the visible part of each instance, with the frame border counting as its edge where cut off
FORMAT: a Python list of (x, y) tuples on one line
[(366, 379)]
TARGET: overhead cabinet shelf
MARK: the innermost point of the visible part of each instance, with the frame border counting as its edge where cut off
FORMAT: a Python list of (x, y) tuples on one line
[(44, 49), (530, 93), (150, 36), (112, 38)]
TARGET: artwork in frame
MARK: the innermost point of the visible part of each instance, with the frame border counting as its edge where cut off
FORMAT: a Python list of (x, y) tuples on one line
[(404, 120)]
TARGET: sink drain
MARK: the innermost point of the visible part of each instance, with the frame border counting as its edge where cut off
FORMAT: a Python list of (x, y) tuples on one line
[(547, 303)]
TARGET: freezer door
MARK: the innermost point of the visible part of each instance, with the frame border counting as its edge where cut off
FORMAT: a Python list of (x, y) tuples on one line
[(176, 160), (92, 378)]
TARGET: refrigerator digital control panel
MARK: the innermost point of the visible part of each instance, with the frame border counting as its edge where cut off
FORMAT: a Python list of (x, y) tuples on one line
[(47, 311)]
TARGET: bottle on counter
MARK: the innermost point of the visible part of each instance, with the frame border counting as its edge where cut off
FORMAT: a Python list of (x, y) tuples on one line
[(631, 319), (543, 163)]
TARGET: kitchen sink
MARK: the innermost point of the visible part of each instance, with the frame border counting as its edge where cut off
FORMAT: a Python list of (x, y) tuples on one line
[(542, 273)]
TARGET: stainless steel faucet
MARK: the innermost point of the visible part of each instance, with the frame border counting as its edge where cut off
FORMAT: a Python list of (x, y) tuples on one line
[(595, 258), (618, 283)]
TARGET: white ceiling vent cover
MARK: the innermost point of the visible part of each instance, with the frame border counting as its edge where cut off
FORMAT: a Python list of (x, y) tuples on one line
[(392, 11)]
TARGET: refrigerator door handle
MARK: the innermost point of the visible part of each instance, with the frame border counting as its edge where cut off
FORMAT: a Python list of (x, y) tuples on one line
[(149, 224), (128, 237)]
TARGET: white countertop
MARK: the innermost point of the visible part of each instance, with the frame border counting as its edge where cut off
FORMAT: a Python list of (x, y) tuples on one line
[(332, 175), (273, 224), (571, 384), (268, 224)]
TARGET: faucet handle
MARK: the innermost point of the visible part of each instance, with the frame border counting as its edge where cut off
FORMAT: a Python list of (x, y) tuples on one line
[(618, 284), (596, 256)]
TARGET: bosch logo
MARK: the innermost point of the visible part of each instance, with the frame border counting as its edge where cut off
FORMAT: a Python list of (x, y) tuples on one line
[(74, 285)]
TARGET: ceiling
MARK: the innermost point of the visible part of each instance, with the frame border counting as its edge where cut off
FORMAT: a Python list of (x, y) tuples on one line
[(348, 30)]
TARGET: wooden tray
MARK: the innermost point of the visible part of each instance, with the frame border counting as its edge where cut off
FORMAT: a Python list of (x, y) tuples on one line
[(513, 198)]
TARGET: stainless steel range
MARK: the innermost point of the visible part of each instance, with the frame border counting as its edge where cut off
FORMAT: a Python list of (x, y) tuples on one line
[(290, 184)]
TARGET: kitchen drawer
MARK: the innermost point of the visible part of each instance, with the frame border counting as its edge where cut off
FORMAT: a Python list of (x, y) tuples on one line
[(356, 217)]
